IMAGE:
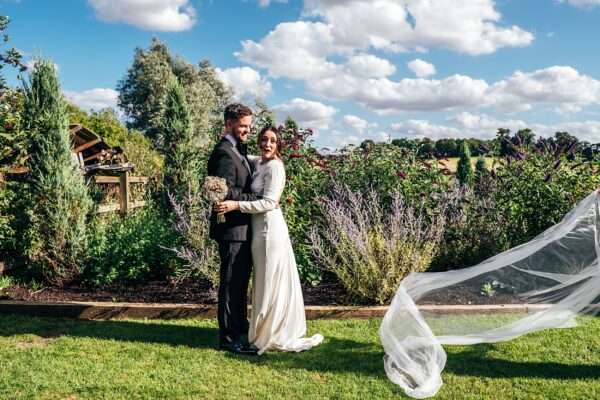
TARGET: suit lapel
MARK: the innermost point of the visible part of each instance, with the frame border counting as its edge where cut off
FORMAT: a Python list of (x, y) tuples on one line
[(243, 159)]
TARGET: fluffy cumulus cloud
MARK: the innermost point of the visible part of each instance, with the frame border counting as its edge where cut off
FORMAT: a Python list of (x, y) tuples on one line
[(93, 99), (483, 126), (357, 124), (472, 27), (561, 85), (308, 114), (245, 83), (153, 15), (422, 69), (329, 52), (423, 128), (369, 66)]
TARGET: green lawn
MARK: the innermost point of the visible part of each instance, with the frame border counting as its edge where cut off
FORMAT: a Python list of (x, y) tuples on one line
[(66, 359)]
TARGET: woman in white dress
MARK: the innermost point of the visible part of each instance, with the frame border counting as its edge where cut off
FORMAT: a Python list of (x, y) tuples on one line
[(278, 320)]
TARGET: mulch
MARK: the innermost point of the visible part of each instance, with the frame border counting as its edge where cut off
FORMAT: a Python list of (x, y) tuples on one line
[(158, 292)]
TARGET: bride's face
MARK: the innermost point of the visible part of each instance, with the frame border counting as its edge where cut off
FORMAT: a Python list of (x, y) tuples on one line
[(268, 145)]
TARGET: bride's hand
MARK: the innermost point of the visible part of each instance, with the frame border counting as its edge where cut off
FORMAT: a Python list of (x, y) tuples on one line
[(227, 206)]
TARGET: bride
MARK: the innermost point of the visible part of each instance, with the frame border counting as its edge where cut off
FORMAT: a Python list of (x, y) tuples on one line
[(278, 321)]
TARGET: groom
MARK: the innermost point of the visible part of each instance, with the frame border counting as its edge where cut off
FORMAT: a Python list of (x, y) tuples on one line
[(228, 160)]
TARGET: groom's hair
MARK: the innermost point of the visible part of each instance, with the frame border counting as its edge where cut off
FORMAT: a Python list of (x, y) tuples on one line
[(236, 111)]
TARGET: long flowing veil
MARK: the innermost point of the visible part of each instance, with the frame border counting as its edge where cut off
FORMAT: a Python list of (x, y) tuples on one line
[(557, 275)]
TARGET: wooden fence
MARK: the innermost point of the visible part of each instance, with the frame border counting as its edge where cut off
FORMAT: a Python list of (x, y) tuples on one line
[(124, 180)]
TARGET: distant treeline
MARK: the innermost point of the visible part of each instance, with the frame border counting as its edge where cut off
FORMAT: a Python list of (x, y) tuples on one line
[(505, 143)]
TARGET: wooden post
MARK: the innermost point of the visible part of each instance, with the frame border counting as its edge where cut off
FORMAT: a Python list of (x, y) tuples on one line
[(124, 192)]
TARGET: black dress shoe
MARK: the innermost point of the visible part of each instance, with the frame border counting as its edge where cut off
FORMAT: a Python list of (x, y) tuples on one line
[(247, 345), (251, 347), (236, 347)]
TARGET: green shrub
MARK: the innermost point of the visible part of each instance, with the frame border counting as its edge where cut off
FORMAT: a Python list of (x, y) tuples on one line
[(371, 248), (134, 248), (535, 190)]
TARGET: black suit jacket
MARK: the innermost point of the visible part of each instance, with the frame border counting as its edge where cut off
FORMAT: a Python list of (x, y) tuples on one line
[(226, 162)]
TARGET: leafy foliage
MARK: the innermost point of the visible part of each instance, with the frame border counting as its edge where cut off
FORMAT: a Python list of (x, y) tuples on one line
[(9, 57), (143, 91), (131, 249)]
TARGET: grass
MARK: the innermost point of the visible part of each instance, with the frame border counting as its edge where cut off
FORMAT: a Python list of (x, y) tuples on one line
[(452, 162), (66, 359)]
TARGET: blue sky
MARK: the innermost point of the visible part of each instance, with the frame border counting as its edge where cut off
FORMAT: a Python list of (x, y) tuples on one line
[(350, 69)]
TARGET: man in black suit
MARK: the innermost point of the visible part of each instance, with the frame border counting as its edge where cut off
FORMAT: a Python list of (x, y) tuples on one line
[(228, 160)]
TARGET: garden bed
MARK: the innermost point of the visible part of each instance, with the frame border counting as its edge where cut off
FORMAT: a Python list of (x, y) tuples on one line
[(156, 292)]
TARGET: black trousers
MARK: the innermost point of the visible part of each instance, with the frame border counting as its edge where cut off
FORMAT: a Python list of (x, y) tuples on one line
[(236, 266)]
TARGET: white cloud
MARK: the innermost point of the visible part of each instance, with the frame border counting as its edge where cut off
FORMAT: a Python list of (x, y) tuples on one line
[(30, 65), (560, 85), (369, 66), (152, 15), (483, 126), (423, 128), (356, 123), (93, 99), (387, 96), (471, 27), (266, 3), (582, 3), (308, 114), (422, 69), (295, 50), (245, 82)]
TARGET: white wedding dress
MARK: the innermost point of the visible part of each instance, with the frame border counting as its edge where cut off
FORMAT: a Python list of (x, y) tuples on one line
[(278, 320)]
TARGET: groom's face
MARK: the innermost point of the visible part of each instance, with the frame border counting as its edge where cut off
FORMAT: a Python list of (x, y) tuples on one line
[(240, 128)]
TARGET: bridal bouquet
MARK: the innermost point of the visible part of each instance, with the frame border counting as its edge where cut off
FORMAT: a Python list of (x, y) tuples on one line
[(215, 190)]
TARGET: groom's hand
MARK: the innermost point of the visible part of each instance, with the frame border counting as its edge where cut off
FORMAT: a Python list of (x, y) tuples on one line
[(227, 206)]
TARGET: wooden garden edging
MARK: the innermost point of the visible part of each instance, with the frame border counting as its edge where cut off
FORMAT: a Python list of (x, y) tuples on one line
[(109, 310)]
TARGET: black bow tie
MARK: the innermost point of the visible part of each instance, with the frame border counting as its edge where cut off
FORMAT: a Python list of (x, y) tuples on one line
[(242, 148)]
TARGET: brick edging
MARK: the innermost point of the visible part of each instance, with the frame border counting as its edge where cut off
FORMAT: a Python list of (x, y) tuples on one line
[(109, 310)]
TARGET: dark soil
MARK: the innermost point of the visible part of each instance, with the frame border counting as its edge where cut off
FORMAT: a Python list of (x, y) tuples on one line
[(467, 295), (157, 292)]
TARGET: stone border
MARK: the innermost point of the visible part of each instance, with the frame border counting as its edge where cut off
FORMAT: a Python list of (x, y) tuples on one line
[(109, 310)]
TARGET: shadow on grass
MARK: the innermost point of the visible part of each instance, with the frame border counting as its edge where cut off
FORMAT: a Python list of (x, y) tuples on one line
[(175, 335), (476, 362), (336, 355)]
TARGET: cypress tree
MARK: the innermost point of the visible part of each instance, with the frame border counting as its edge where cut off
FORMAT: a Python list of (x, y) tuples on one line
[(182, 146), (464, 169), (55, 238), (480, 169)]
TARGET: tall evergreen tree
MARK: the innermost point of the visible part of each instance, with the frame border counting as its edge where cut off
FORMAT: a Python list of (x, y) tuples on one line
[(183, 147), (480, 168), (55, 238), (464, 169)]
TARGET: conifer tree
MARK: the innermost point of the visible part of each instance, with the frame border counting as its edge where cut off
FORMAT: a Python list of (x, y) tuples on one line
[(464, 169), (55, 238), (182, 146)]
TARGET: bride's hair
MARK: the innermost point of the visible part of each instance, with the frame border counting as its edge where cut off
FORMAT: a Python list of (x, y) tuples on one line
[(279, 142)]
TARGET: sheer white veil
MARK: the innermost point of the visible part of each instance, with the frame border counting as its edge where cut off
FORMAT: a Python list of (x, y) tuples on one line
[(559, 271)]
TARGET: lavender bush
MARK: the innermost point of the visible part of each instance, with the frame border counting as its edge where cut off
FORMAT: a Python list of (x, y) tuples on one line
[(371, 248)]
